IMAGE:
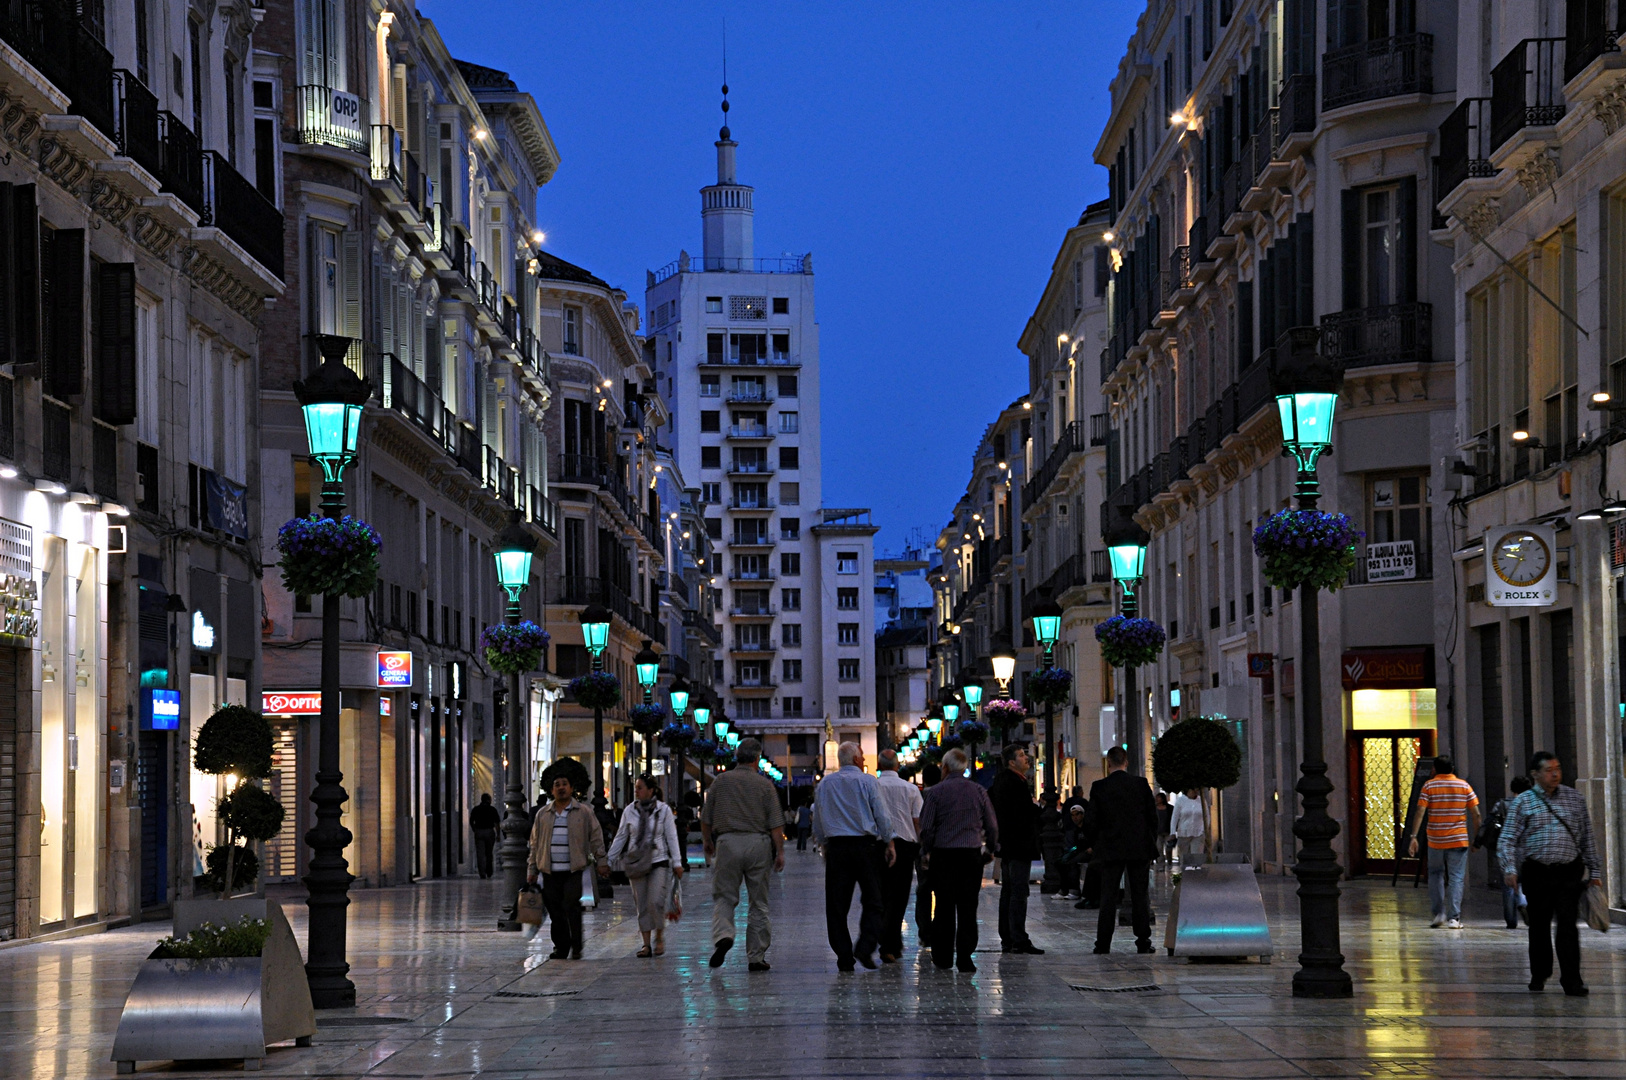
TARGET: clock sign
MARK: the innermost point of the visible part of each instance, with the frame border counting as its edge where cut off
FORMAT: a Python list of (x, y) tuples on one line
[(1520, 566)]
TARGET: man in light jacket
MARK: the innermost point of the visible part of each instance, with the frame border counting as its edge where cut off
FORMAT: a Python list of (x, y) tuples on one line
[(564, 838)]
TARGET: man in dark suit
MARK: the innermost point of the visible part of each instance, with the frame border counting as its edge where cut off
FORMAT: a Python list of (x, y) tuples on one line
[(1121, 821), (1018, 817)]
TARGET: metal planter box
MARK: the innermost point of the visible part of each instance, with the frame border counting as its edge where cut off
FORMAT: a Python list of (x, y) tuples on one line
[(1218, 912), (189, 1010)]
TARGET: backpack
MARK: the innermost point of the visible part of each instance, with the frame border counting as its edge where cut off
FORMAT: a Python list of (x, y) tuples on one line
[(1490, 830)]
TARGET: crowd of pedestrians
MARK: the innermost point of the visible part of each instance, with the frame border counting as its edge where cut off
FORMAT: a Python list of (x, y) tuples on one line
[(882, 837)]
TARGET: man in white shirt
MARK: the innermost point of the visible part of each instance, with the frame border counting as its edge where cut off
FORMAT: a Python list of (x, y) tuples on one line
[(903, 801)]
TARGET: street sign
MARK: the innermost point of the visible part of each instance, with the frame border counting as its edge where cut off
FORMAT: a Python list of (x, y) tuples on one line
[(1394, 560), (394, 670), (1259, 664), (166, 709), (291, 702)]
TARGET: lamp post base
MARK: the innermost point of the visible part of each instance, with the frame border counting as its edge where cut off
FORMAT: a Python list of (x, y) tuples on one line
[(515, 827)]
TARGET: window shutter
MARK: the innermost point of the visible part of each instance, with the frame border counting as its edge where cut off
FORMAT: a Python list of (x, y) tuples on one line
[(1344, 19), (1245, 352), (350, 287), (65, 370), (1351, 198), (1267, 300), (115, 388), (1406, 268), (7, 274), (23, 343), (1304, 271)]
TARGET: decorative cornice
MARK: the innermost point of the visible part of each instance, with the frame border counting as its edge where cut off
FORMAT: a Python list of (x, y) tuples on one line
[(1540, 172), (220, 282), (64, 166), (1610, 108)]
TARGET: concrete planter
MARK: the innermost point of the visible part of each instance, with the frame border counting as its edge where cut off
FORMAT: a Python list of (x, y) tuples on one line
[(233, 1007)]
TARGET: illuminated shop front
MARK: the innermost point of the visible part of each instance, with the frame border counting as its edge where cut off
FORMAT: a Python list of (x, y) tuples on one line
[(1390, 710)]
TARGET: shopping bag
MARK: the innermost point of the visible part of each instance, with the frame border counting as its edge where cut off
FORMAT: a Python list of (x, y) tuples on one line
[(674, 907), (530, 906), (1595, 908), (589, 887)]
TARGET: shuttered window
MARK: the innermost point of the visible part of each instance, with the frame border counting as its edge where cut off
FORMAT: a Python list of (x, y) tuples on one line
[(62, 254), (19, 275), (117, 369)]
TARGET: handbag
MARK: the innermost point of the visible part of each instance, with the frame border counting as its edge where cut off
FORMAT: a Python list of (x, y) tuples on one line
[(529, 907)]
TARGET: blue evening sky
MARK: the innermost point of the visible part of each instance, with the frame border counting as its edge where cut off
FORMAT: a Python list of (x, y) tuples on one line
[(930, 156)]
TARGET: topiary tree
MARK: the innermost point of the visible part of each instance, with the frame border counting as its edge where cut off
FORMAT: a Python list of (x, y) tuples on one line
[(1198, 753), (236, 742)]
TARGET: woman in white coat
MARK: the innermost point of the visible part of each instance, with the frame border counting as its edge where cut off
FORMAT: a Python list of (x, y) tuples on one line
[(646, 850), (1187, 826)]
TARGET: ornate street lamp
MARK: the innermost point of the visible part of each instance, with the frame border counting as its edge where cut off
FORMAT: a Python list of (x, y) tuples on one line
[(647, 665), (934, 722), (596, 635), (1046, 619), (332, 400), (678, 695), (1306, 399), (950, 705), (971, 691), (512, 549), (1004, 661), (1127, 553)]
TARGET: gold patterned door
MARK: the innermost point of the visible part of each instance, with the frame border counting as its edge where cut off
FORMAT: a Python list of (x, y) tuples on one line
[(1381, 767)]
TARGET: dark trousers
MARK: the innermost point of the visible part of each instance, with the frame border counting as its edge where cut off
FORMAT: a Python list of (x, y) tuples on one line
[(895, 882), (849, 861), (1553, 893), (1013, 901), (1138, 872), (562, 896), (484, 841), (923, 903), (956, 877), (802, 833)]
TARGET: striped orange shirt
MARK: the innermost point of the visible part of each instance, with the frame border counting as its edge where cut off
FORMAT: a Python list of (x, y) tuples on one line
[(1447, 798)]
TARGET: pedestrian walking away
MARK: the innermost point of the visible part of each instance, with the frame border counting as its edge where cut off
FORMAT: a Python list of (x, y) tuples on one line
[(744, 836), (1122, 825), (929, 776), (852, 827), (1490, 836), (1018, 816), (1186, 828), (1165, 828), (646, 848), (564, 839), (1547, 847), (804, 825), (903, 802), (1448, 802), (484, 820), (956, 819)]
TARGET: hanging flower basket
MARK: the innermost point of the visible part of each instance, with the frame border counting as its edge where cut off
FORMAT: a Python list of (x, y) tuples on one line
[(514, 650), (1003, 714), (1052, 686), (724, 758), (597, 690), (678, 736), (646, 719), (704, 750), (328, 557), (1306, 547), (973, 731), (1127, 642)]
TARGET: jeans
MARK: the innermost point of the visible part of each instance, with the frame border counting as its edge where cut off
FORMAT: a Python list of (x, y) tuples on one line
[(853, 861), (484, 841), (956, 878), (746, 857), (1447, 867), (895, 882), (1138, 872), (1013, 901), (562, 896), (1553, 894), (802, 833)]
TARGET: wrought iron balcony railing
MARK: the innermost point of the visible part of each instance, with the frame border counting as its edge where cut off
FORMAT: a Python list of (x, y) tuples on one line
[(1527, 88), (1371, 70)]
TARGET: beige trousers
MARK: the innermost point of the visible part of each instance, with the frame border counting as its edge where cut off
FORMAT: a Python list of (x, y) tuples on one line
[(746, 857), (650, 894)]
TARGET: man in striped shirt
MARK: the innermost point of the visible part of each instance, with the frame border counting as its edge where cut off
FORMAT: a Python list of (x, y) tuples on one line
[(1449, 801)]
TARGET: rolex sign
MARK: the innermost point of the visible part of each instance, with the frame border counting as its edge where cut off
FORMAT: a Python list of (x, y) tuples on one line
[(1521, 566)]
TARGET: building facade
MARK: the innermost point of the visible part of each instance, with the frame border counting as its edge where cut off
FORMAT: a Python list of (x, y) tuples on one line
[(409, 182), (1265, 164), (136, 257), (736, 350)]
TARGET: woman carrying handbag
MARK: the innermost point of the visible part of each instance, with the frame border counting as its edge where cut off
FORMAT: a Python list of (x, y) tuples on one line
[(646, 849)]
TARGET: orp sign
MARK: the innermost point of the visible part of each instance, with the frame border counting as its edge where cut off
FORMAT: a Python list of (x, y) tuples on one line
[(344, 112), (394, 670)]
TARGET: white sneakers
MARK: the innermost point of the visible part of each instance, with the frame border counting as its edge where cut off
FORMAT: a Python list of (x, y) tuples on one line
[(1454, 924), (1436, 924)]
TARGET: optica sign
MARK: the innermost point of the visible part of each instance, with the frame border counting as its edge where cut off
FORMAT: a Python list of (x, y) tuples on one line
[(291, 702), (394, 670)]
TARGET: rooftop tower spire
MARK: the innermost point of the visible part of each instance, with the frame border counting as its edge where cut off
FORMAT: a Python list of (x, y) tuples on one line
[(725, 207)]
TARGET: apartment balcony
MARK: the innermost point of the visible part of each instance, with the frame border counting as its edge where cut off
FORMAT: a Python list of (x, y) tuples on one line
[(579, 591), (750, 506), (751, 577), (1588, 37), (747, 650), (318, 123), (1527, 99), (1072, 441), (1264, 167), (1370, 337), (1197, 238), (757, 542), (763, 687), (749, 468), (719, 265), (1465, 147), (753, 362), (580, 469), (181, 161), (1098, 429), (749, 396), (754, 614), (749, 433), (702, 626), (1373, 70), (137, 122), (236, 208), (50, 35)]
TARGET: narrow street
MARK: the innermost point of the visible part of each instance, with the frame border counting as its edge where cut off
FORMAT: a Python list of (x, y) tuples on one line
[(443, 995)]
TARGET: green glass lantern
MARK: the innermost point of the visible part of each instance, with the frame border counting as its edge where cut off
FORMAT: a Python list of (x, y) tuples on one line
[(1307, 425), (951, 713), (972, 692), (1046, 624), (678, 695), (332, 400), (733, 738), (702, 714), (512, 549), (648, 666), (721, 728), (595, 628), (934, 723), (1128, 564)]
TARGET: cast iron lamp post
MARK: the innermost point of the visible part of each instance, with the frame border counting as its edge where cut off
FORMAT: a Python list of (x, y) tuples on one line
[(596, 635), (702, 725), (1004, 661), (1046, 629), (512, 550), (1128, 560), (678, 695), (1307, 433), (332, 400), (648, 666)]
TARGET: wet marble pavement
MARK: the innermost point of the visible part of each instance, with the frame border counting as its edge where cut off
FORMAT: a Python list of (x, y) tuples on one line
[(443, 995)]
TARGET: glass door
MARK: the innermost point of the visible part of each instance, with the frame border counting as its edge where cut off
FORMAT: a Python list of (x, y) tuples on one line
[(1382, 767)]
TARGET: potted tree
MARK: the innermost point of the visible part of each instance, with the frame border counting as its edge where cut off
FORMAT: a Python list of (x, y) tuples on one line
[(233, 958)]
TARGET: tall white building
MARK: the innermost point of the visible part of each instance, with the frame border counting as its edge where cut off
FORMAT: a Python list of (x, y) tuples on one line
[(737, 356)]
